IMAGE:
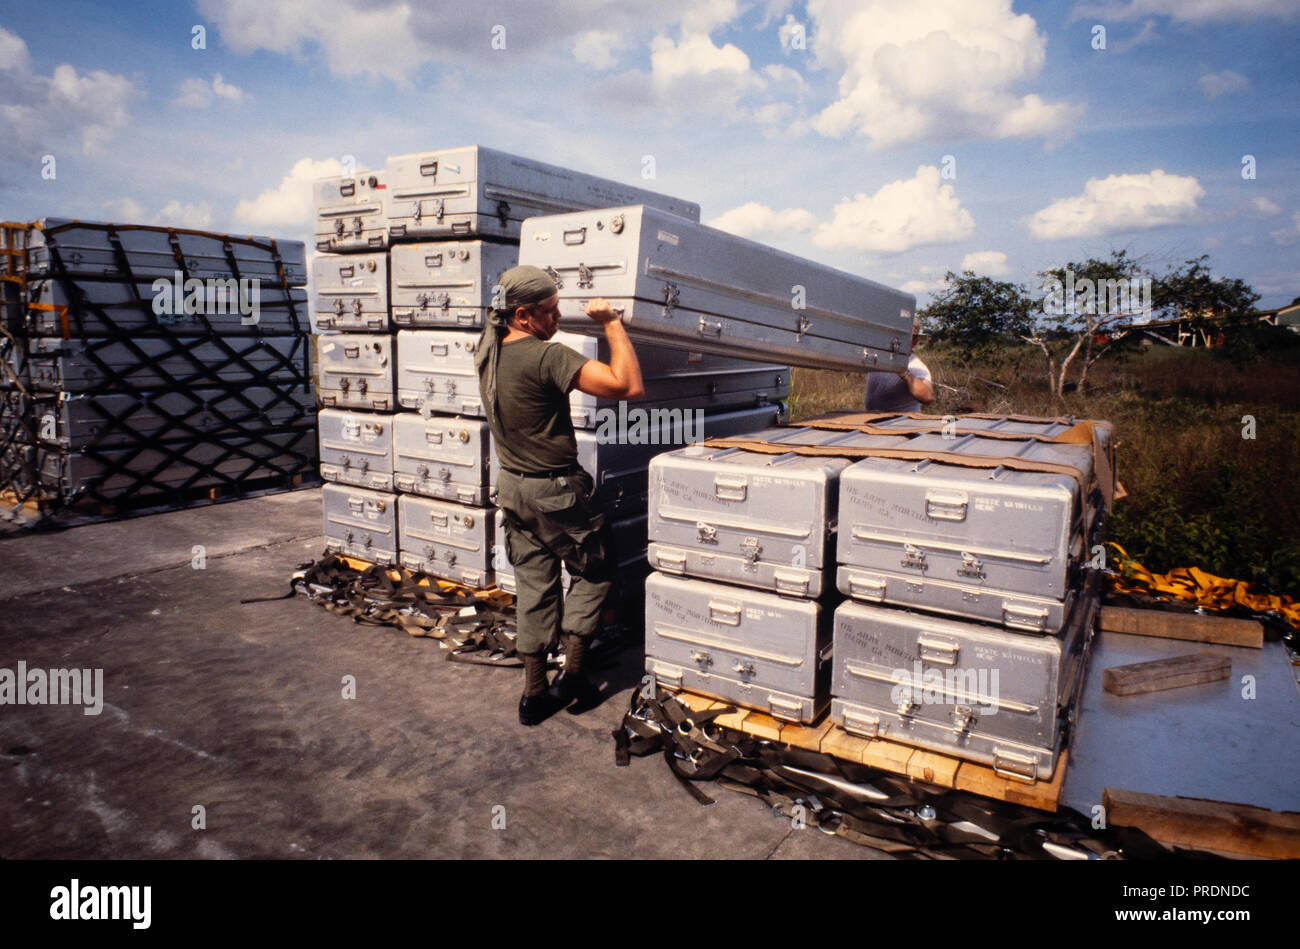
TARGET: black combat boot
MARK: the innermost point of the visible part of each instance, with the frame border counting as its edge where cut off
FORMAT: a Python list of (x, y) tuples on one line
[(539, 701), (572, 684)]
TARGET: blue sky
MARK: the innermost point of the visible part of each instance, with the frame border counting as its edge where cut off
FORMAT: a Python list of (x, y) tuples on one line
[(896, 140)]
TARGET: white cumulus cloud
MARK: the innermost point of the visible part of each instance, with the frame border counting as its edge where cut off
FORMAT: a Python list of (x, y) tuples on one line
[(599, 49), (1119, 203), (286, 208), (1286, 236), (1215, 84), (991, 263), (932, 69), (1266, 207), (907, 213), (753, 219), (41, 113)]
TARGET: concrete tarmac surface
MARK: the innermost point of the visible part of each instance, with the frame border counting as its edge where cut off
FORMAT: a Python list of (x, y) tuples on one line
[(239, 709)]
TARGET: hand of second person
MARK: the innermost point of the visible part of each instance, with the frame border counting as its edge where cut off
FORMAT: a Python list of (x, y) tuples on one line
[(600, 311)]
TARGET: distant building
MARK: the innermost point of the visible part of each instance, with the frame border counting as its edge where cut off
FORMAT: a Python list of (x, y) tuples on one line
[(1288, 316)]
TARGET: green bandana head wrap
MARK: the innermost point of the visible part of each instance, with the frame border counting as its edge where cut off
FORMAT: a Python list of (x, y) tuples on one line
[(518, 286)]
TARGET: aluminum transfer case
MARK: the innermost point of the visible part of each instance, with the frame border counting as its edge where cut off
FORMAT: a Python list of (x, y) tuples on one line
[(350, 212), (448, 540), (679, 283), (350, 292), (74, 421), (765, 521), (356, 448), (435, 371), (999, 545), (476, 191), (356, 371), (745, 646), (447, 284), (360, 523), (675, 379), (89, 249), (153, 362), (442, 457), (105, 307), (964, 689)]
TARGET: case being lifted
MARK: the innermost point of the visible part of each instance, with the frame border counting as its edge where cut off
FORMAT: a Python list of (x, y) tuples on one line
[(59, 247), (360, 523), (476, 191), (350, 292), (356, 448), (1002, 698), (350, 212), (679, 283), (447, 284), (745, 646), (446, 539)]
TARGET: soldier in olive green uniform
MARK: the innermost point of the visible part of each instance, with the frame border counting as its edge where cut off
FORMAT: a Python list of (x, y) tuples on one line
[(550, 514)]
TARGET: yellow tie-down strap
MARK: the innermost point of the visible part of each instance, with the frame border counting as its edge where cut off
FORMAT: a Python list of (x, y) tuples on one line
[(1080, 432), (1194, 585), (494, 596)]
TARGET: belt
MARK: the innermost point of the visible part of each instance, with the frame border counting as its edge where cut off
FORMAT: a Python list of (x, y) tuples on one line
[(549, 473)]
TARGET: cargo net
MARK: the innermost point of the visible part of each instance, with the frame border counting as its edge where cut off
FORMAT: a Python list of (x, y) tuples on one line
[(241, 446), (888, 812), (474, 626)]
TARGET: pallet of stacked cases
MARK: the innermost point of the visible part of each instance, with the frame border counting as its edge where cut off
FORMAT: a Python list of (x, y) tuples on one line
[(360, 523), (350, 212), (679, 283), (1003, 698), (447, 284), (62, 247), (738, 644), (356, 448), (355, 371), (991, 520), (476, 191), (446, 539), (350, 292), (759, 520)]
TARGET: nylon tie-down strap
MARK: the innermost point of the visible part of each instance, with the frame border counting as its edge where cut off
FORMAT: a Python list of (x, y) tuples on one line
[(477, 627), (889, 812)]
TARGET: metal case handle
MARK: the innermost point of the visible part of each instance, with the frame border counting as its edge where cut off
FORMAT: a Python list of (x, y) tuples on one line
[(945, 507), (724, 613), (1023, 617), (730, 489), (942, 651)]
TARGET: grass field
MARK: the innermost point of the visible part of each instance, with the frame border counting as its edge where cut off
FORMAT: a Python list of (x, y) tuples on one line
[(1200, 494)]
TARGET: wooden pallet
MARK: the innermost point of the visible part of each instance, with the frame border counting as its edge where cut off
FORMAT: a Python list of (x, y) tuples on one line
[(928, 767)]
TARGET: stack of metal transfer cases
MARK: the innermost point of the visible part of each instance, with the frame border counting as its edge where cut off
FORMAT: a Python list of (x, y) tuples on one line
[(409, 258), (152, 367), (924, 578)]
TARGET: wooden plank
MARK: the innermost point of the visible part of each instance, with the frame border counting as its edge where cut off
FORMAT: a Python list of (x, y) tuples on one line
[(696, 703), (1195, 822), (984, 781), (932, 768), (734, 719), (1225, 630), (808, 737), (762, 726), (887, 755), (841, 744), (1171, 673)]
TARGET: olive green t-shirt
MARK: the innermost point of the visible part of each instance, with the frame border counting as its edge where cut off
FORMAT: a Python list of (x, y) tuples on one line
[(533, 383)]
